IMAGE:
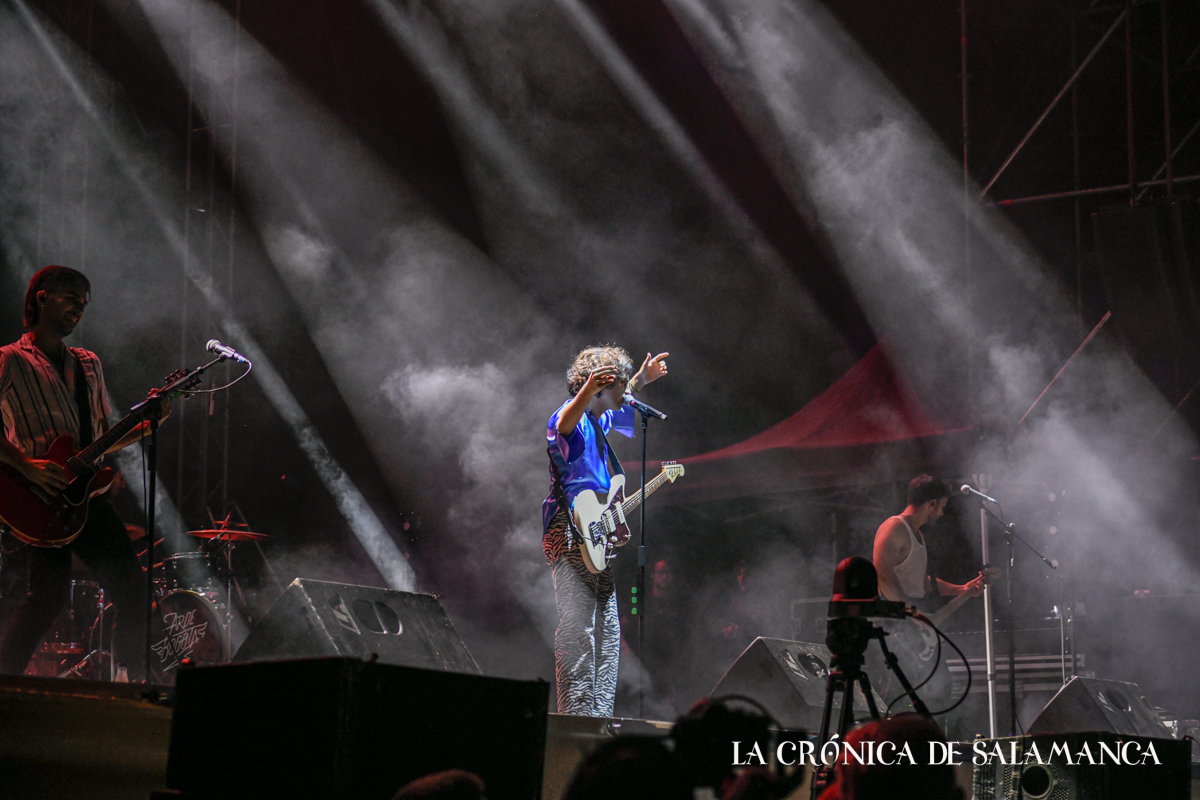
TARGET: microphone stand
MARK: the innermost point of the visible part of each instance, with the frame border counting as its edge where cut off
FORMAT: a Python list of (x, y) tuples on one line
[(151, 409), (155, 407), (988, 635), (1010, 537), (640, 581)]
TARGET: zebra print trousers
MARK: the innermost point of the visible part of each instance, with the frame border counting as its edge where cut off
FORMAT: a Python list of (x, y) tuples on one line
[(587, 644)]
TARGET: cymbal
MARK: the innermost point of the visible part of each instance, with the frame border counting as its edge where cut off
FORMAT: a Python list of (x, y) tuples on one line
[(233, 536)]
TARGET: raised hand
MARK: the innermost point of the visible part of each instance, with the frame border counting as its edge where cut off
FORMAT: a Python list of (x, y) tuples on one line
[(598, 380), (653, 368)]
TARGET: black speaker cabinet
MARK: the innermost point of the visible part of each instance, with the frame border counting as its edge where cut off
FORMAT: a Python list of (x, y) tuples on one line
[(1093, 704), (343, 729), (1104, 774), (789, 679), (319, 618)]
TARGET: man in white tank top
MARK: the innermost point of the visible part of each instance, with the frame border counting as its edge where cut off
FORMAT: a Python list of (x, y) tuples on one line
[(900, 556)]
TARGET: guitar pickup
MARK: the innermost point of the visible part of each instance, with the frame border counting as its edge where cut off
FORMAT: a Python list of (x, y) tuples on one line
[(620, 514)]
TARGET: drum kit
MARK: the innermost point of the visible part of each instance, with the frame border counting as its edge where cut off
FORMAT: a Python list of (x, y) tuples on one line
[(192, 618)]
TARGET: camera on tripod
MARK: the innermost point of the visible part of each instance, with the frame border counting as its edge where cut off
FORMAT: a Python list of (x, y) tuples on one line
[(854, 603), (849, 630)]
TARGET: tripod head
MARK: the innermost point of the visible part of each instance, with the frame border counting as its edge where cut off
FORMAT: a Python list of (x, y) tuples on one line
[(855, 601)]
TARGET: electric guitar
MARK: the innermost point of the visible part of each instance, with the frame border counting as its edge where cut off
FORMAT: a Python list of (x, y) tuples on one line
[(602, 520), (44, 520)]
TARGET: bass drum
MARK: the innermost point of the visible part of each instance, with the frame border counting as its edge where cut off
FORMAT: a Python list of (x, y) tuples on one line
[(187, 624)]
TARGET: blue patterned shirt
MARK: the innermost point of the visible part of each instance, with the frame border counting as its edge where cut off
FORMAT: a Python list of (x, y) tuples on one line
[(578, 457)]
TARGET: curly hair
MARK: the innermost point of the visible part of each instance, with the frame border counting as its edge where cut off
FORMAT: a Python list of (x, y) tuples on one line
[(51, 278), (591, 358)]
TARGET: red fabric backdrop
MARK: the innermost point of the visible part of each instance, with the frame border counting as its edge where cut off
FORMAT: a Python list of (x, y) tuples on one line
[(869, 426)]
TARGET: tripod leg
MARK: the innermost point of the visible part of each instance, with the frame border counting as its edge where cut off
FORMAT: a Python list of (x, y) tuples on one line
[(864, 683), (822, 775), (847, 717), (831, 682)]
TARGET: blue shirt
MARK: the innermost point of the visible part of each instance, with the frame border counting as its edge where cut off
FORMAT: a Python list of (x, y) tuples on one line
[(578, 457)]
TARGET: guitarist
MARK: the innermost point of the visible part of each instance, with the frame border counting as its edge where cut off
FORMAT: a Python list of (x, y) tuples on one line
[(902, 562), (900, 556), (586, 649), (48, 390)]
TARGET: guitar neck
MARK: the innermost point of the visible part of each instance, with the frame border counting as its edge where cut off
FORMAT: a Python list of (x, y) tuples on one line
[(92, 453), (943, 613), (634, 500)]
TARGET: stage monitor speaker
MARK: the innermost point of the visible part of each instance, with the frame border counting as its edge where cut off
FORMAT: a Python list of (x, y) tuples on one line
[(789, 679), (343, 729), (318, 618), (1093, 704), (1017, 774)]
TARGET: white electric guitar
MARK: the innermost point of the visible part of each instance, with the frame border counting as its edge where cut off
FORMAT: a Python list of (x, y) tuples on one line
[(602, 521)]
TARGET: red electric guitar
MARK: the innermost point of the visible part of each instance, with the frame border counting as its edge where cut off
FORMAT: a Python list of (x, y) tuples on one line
[(52, 521)]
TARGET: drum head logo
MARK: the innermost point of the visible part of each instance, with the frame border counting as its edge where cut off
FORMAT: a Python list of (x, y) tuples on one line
[(342, 614), (183, 631)]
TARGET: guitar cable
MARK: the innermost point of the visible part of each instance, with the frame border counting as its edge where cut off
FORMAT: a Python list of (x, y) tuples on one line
[(249, 366), (937, 662)]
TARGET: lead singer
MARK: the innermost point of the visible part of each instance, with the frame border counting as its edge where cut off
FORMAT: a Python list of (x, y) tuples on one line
[(588, 640)]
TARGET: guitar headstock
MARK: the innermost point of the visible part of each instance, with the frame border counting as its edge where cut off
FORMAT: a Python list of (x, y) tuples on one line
[(672, 470), (169, 383)]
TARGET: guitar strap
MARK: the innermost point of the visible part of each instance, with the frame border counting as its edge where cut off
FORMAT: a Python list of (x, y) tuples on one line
[(83, 405), (561, 497), (602, 442)]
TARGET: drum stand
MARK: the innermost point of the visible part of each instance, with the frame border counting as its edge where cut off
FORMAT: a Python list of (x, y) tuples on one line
[(96, 636), (226, 545)]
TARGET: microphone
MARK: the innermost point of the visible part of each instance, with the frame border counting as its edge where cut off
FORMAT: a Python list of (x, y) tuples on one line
[(642, 407), (216, 348), (966, 489)]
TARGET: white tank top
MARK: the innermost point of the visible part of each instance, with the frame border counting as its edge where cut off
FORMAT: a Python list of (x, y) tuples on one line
[(912, 570)]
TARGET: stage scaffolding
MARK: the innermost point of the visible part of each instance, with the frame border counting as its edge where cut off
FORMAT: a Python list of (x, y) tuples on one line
[(1121, 14)]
